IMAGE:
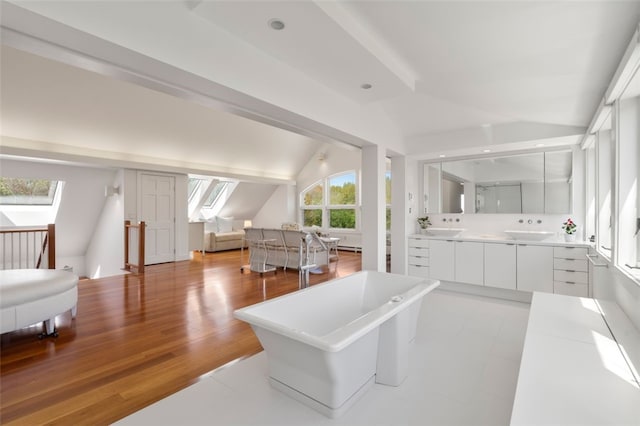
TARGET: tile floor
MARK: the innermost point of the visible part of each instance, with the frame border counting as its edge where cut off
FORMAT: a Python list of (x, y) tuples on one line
[(463, 371)]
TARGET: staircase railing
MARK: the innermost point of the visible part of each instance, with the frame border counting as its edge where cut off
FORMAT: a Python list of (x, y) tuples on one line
[(28, 248), (139, 242)]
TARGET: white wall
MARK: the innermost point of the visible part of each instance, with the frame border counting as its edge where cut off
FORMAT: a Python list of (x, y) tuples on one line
[(275, 211), (105, 254), (496, 224)]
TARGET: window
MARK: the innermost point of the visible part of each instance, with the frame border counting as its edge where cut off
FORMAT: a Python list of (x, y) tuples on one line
[(387, 184), (342, 201), (605, 172), (627, 134), (194, 186), (335, 208), (213, 196), (312, 203), (27, 192)]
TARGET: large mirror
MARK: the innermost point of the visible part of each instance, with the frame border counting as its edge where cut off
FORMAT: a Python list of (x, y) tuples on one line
[(526, 183)]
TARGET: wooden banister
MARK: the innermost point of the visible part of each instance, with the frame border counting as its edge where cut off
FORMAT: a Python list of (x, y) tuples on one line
[(29, 237), (141, 237)]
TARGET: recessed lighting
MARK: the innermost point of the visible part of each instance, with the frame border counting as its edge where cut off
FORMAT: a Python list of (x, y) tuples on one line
[(538, 145), (276, 24), (442, 155), (366, 86), (486, 150)]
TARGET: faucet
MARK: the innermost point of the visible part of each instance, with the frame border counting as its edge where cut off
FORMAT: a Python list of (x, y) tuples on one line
[(304, 268)]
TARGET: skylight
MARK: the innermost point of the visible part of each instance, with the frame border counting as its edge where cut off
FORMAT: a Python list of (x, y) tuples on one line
[(27, 192), (215, 194)]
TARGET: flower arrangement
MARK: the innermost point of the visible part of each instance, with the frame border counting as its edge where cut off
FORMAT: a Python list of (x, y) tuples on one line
[(424, 222), (569, 227)]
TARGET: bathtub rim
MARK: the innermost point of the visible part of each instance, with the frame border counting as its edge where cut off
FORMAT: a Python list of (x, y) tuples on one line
[(340, 338)]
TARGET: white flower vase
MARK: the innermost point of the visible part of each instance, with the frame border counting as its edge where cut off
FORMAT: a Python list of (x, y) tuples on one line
[(423, 231), (569, 237)]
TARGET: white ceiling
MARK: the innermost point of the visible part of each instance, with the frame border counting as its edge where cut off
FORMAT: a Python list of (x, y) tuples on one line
[(438, 68)]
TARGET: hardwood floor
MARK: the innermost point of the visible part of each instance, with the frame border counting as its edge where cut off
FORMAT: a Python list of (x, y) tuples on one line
[(137, 339)]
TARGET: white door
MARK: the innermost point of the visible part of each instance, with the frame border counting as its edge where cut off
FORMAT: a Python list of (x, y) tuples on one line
[(157, 210)]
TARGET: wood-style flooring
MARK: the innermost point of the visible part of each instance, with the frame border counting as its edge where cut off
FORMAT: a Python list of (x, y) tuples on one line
[(138, 339)]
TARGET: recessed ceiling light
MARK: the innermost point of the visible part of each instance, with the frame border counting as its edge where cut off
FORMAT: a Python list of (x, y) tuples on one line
[(276, 24), (442, 155), (366, 86), (538, 145), (486, 150)]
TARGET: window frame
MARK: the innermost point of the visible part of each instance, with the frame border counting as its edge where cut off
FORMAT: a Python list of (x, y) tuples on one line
[(326, 207)]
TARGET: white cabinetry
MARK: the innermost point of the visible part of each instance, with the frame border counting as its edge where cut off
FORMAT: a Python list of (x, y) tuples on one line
[(570, 271), (441, 260), (534, 268), (469, 262), (500, 265), (418, 257)]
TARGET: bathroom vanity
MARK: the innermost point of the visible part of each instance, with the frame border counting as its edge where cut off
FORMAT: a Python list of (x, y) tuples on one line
[(504, 267)]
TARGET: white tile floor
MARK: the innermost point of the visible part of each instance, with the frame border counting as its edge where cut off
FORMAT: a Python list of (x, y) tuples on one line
[(463, 371)]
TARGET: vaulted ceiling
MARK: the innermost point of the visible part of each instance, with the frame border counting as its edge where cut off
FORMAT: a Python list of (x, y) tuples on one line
[(445, 76)]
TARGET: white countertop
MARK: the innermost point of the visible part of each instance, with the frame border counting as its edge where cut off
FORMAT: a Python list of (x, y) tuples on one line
[(481, 238), (572, 371)]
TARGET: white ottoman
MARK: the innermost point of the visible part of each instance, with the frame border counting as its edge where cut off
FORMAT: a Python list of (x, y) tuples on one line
[(28, 296)]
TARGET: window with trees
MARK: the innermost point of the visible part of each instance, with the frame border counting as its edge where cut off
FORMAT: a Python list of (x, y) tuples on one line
[(30, 192), (331, 202)]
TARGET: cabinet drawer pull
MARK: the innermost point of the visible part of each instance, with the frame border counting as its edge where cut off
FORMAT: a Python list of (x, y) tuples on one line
[(570, 270), (569, 282)]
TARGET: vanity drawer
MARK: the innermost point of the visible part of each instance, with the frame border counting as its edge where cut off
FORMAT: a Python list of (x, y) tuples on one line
[(579, 290), (571, 277), (570, 252), (419, 251), (418, 242), (418, 261), (418, 271), (570, 264)]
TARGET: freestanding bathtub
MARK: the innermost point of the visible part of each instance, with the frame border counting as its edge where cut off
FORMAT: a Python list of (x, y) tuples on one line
[(327, 344)]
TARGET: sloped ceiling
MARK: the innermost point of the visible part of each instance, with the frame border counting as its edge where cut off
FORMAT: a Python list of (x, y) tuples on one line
[(439, 70), (44, 100)]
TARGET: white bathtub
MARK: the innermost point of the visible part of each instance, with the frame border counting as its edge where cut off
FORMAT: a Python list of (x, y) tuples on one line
[(328, 343)]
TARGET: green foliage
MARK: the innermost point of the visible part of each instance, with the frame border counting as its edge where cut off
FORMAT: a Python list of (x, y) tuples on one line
[(313, 197), (387, 182), (342, 218), (24, 187), (343, 195), (388, 219), (312, 217)]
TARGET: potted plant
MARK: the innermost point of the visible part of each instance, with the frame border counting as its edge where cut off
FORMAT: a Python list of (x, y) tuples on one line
[(569, 228), (424, 223)]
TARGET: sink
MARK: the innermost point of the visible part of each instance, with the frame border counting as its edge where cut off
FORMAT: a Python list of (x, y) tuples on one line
[(529, 235), (444, 232)]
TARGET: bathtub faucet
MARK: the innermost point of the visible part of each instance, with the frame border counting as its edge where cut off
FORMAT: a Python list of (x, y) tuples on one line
[(304, 268)]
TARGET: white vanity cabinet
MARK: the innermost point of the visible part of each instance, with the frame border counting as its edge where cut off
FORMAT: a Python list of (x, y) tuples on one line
[(570, 271), (469, 262), (534, 268), (418, 256), (442, 260), (500, 265)]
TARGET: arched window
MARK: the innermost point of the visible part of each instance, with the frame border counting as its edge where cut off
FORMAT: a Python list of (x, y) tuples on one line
[(331, 202)]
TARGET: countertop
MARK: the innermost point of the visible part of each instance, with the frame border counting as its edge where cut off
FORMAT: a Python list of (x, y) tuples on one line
[(490, 238)]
